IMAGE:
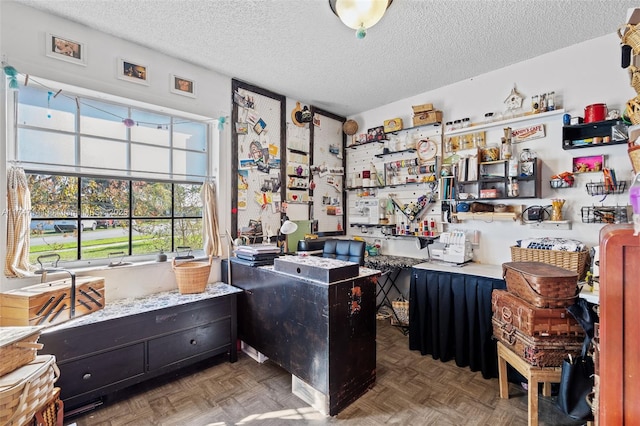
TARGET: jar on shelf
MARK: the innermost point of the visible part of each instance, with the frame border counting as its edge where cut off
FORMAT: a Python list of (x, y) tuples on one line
[(466, 122), (457, 124), (488, 117), (527, 157)]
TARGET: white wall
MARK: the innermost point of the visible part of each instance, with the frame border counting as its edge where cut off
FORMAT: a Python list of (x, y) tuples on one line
[(22, 44), (580, 75)]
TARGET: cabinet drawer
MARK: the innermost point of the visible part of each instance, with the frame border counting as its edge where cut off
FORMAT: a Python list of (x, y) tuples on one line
[(94, 372), (76, 342), (188, 343)]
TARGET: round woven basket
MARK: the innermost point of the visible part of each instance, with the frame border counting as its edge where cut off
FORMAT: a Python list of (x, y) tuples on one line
[(192, 276)]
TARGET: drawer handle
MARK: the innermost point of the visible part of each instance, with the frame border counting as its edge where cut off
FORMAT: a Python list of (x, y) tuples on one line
[(194, 342), (86, 376)]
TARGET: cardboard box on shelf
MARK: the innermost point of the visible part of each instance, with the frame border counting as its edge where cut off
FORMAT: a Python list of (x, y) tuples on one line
[(427, 117), (422, 108)]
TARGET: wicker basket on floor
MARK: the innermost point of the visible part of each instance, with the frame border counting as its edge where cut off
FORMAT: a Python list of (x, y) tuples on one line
[(401, 310), (26, 390), (575, 261), (18, 348), (192, 276)]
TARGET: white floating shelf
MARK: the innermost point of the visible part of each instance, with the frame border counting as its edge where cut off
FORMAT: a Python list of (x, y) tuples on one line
[(519, 119)]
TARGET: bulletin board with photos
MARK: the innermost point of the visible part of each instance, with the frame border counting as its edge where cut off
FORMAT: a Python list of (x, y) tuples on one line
[(327, 171), (258, 141)]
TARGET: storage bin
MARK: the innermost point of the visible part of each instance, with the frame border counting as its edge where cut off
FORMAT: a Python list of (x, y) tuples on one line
[(539, 351), (18, 346), (542, 285), (192, 276), (27, 390), (531, 320), (576, 261)]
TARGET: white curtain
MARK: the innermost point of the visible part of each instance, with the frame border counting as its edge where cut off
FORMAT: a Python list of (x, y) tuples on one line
[(212, 244), (18, 223)]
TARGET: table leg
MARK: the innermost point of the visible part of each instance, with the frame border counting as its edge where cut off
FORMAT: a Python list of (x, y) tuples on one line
[(533, 400), (502, 376)]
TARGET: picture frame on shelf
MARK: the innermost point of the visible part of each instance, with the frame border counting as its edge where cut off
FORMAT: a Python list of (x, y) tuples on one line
[(133, 72), (589, 163), (65, 49), (182, 86)]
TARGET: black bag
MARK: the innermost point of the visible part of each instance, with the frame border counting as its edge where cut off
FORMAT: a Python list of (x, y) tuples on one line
[(576, 382)]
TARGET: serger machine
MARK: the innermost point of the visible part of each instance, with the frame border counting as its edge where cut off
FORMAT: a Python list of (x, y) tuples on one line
[(452, 247), (365, 212)]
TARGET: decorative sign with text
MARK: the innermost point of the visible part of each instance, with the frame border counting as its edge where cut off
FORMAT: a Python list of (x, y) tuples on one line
[(528, 133)]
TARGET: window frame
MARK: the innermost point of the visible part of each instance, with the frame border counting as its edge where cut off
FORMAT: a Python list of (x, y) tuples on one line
[(76, 169)]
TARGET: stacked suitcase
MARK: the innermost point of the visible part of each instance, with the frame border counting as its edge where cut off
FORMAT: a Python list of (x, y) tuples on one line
[(531, 316)]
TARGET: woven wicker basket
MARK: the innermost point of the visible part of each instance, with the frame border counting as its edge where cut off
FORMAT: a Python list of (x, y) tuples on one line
[(634, 157), (630, 35), (401, 309), (537, 351), (575, 261), (18, 347), (192, 276), (26, 390), (542, 285), (52, 414), (633, 110)]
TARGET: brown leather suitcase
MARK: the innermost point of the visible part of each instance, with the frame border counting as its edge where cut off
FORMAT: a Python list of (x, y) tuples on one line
[(539, 351), (532, 320), (542, 285)]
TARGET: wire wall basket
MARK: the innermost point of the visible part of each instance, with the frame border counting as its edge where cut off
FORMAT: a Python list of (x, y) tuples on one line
[(602, 188), (605, 214)]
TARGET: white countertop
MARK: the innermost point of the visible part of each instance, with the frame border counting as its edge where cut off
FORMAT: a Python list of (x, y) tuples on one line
[(494, 271), (470, 268)]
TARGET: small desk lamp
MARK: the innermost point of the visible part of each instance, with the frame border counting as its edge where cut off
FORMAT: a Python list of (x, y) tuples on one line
[(287, 228)]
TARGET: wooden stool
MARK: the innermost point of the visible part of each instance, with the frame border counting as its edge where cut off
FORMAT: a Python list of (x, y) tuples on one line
[(534, 375)]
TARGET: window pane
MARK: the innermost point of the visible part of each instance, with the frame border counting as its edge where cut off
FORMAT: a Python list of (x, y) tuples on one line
[(188, 233), (53, 196), (149, 159), (187, 200), (150, 128), (37, 108), (151, 199), (46, 147), (49, 241), (103, 119), (111, 242), (151, 236), (192, 165), (103, 199), (103, 153), (189, 135)]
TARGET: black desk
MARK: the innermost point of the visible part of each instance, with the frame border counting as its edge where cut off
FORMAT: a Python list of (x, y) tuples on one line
[(391, 267), (450, 318)]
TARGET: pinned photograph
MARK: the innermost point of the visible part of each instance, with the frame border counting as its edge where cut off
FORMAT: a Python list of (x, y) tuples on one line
[(133, 72), (182, 86), (65, 49)]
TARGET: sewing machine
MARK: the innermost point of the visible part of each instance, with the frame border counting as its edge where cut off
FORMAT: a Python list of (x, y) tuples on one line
[(365, 212), (453, 247)]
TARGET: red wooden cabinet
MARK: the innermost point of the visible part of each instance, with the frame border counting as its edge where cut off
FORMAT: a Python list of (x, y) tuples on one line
[(619, 326)]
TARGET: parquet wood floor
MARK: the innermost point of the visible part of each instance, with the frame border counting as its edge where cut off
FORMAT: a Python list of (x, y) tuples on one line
[(410, 389)]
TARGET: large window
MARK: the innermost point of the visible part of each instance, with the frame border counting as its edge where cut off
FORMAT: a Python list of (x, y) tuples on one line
[(109, 180)]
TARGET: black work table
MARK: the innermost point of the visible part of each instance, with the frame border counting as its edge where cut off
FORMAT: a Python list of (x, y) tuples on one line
[(324, 334), (450, 314)]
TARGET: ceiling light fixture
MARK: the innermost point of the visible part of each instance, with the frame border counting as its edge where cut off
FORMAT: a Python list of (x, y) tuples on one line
[(360, 14)]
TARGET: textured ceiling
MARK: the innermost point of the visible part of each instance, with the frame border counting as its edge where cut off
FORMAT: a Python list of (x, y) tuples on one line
[(299, 48)]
